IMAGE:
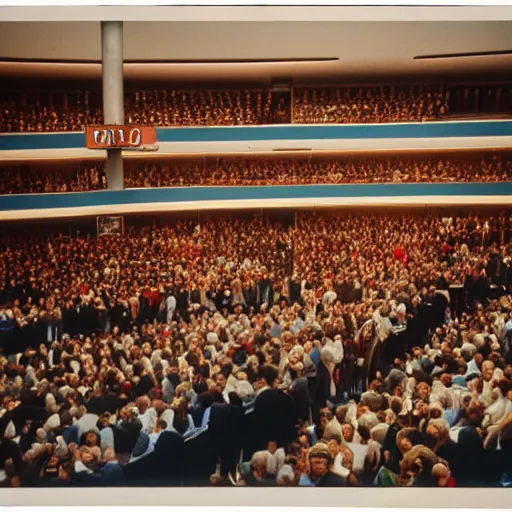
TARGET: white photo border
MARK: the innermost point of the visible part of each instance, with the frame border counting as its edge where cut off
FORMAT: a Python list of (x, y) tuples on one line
[(226, 499)]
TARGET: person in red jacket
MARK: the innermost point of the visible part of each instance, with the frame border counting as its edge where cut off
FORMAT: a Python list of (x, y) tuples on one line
[(400, 254)]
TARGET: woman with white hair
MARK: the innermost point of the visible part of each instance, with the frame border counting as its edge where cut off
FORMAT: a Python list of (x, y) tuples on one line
[(286, 477), (289, 364), (330, 390)]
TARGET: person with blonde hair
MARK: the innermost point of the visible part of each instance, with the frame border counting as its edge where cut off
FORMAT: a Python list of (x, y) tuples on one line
[(416, 467)]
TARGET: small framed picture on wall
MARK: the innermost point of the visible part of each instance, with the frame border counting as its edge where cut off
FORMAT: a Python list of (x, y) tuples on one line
[(110, 225)]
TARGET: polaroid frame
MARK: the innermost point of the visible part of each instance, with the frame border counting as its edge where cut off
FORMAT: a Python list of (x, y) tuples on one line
[(420, 498)]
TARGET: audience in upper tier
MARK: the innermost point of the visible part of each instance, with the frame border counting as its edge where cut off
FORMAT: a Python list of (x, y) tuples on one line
[(369, 105), (44, 111), (304, 171), (202, 108), (49, 112), (26, 179), (488, 168), (27, 112), (168, 355)]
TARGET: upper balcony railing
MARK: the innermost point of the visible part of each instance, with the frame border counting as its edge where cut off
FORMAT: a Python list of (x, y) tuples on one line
[(237, 198)]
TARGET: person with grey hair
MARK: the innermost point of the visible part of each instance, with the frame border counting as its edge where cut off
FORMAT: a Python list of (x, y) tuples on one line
[(286, 477), (330, 383), (257, 475)]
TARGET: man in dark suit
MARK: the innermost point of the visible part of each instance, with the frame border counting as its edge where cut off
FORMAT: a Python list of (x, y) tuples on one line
[(164, 466), (273, 418), (295, 289), (199, 458), (470, 449)]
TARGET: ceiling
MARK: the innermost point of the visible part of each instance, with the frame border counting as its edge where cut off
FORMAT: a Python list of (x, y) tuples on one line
[(366, 49)]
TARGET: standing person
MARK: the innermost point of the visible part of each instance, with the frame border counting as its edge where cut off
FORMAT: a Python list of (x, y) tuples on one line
[(295, 290), (133, 301), (396, 344), (251, 294), (330, 390), (383, 328), (182, 302), (265, 291), (470, 449), (170, 302), (272, 419)]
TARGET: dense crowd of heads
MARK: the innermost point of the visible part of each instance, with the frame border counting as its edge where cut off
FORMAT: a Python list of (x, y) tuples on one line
[(205, 108), (392, 104), (488, 168), (38, 112), (235, 352), (66, 112), (26, 179), (307, 171), (47, 111)]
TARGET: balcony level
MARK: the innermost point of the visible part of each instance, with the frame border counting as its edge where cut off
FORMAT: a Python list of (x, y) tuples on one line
[(451, 135)]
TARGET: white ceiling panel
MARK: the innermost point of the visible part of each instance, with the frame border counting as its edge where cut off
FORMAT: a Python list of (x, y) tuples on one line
[(364, 48)]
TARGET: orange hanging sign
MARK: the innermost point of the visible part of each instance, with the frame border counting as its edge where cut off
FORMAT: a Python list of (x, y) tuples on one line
[(120, 137)]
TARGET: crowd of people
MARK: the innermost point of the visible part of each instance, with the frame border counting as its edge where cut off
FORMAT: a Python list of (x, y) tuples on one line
[(66, 112), (203, 108), (27, 179), (384, 104), (314, 171), (52, 111), (237, 352), (486, 168), (39, 112)]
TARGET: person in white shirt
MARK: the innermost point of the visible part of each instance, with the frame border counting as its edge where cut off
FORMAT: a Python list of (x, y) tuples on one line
[(275, 458), (170, 303), (487, 378)]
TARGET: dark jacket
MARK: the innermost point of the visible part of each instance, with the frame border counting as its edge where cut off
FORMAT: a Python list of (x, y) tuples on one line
[(330, 479), (324, 385), (272, 420)]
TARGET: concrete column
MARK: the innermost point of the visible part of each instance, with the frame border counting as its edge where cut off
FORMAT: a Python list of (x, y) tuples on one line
[(113, 94)]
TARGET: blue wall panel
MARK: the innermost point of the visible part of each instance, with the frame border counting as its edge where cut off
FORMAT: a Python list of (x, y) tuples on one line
[(28, 141), (174, 195), (288, 132), (347, 131)]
